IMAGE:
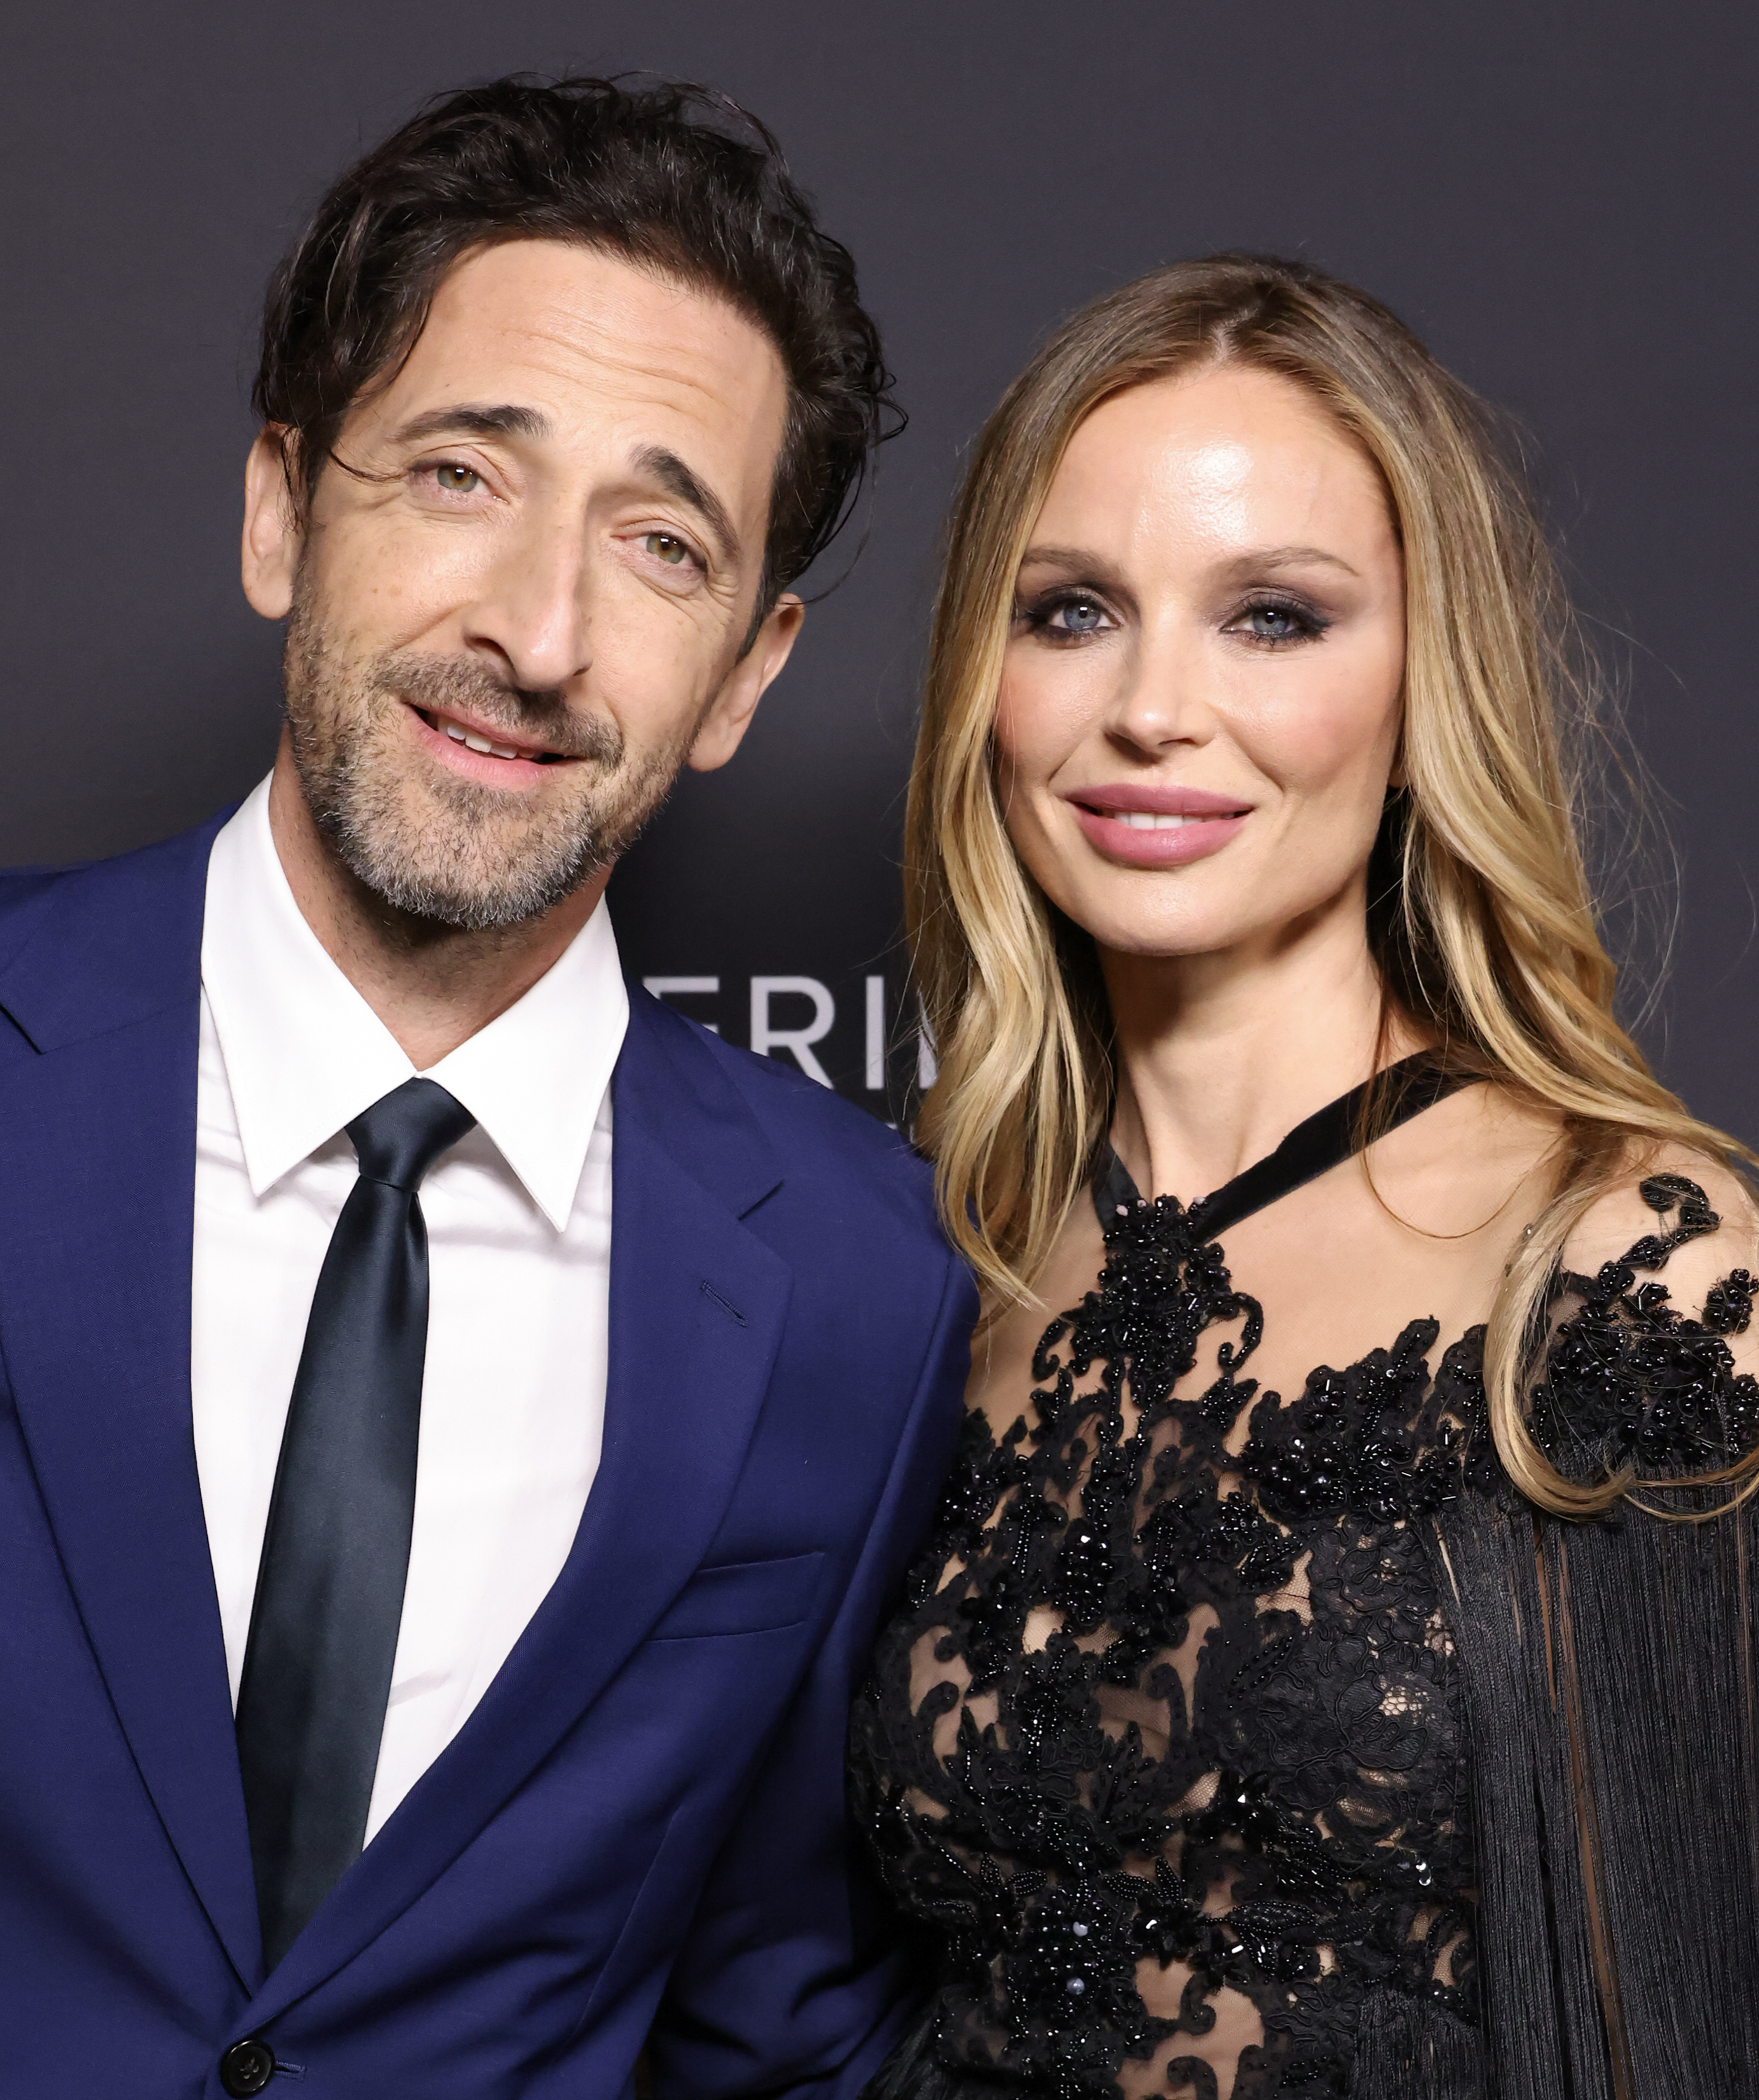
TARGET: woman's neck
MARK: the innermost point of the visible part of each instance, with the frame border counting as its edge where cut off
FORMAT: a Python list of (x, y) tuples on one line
[(1220, 1056)]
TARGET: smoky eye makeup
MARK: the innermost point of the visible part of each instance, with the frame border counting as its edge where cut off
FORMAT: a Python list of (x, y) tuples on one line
[(1274, 618), (1065, 613)]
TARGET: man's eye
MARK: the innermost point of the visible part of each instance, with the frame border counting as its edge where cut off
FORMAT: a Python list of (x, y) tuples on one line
[(457, 480), (667, 547)]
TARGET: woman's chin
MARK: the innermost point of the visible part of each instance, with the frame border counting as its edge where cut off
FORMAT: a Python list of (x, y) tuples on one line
[(1160, 919), (1131, 941)]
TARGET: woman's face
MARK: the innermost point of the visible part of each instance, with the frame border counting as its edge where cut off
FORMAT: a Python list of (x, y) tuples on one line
[(1200, 699)]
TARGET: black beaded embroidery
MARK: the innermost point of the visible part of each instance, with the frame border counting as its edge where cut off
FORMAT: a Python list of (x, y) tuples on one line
[(1297, 1830), (1628, 1382)]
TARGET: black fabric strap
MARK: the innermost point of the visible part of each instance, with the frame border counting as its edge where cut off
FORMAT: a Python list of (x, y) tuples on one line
[(1311, 1148), (329, 1596)]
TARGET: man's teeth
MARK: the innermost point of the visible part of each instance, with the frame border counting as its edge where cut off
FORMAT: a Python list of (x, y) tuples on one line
[(476, 741)]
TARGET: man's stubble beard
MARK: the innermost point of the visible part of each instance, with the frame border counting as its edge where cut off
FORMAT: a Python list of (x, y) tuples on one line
[(449, 853)]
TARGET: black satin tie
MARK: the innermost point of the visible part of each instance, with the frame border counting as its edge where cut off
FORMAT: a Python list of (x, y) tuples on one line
[(336, 1553)]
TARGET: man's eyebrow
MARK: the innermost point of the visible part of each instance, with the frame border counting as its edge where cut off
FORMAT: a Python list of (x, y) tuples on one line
[(678, 479), (504, 419)]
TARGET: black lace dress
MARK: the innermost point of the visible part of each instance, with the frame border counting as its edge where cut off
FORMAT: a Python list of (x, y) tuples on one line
[(1230, 1743)]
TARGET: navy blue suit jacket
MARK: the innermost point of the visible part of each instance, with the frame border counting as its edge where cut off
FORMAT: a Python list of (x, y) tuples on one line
[(643, 1823)]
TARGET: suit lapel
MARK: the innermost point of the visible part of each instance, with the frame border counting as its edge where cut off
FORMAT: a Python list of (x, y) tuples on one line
[(698, 1304), (97, 1167)]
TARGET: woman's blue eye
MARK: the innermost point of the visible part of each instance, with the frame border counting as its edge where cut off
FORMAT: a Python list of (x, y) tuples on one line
[(1078, 615), (1277, 623)]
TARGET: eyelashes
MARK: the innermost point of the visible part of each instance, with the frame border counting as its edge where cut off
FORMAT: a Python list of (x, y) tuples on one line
[(1066, 615), (1274, 619), (1268, 619)]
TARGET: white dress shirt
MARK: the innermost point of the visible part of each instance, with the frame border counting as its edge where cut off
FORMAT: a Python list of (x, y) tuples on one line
[(518, 1224)]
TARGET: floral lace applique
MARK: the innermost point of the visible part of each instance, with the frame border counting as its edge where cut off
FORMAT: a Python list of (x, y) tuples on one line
[(1170, 1727), (1629, 1381)]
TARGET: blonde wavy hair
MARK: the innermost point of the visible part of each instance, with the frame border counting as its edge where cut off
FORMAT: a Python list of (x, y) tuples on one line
[(1484, 929)]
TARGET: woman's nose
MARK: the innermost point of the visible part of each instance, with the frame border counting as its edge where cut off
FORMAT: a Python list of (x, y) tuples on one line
[(1163, 697)]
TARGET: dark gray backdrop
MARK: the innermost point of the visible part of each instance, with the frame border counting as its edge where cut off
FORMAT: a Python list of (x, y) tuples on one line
[(1560, 201)]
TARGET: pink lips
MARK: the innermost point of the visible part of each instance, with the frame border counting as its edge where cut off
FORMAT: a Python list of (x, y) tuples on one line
[(483, 766), (1206, 822)]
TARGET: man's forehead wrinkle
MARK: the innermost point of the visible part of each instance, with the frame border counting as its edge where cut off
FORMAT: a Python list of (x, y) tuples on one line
[(590, 302), (677, 375)]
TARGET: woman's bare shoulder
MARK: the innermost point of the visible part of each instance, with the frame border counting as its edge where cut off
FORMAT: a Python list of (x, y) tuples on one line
[(1486, 1153)]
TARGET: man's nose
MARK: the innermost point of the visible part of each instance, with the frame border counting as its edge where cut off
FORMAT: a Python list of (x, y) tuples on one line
[(530, 610)]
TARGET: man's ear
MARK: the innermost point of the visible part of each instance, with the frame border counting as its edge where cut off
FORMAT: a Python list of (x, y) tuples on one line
[(729, 713), (273, 540)]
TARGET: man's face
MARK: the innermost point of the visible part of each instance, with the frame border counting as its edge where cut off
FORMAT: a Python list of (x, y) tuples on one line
[(520, 606)]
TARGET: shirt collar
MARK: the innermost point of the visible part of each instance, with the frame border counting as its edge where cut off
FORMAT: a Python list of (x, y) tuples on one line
[(305, 1054)]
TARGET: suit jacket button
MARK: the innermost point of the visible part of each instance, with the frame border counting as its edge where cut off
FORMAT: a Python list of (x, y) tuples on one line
[(247, 2067)]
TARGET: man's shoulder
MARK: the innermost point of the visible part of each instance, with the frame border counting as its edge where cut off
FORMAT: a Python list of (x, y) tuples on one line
[(90, 944), (827, 1149), (139, 877), (876, 1293), (21, 888)]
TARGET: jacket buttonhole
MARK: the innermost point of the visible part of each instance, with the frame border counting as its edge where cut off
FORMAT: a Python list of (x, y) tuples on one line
[(732, 1311)]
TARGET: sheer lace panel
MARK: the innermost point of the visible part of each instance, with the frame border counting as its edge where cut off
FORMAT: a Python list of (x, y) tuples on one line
[(1166, 1747), (1631, 1380)]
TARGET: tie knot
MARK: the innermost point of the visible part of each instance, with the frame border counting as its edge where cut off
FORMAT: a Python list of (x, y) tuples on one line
[(399, 1138)]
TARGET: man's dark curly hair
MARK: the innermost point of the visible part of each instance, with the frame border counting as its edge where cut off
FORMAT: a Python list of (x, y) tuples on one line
[(672, 176)]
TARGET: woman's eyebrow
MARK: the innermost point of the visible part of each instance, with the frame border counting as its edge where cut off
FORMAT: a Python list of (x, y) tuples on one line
[(1085, 561), (1062, 558), (1079, 563), (1287, 558)]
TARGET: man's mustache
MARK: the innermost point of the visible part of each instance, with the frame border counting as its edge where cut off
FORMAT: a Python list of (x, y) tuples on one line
[(448, 684)]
